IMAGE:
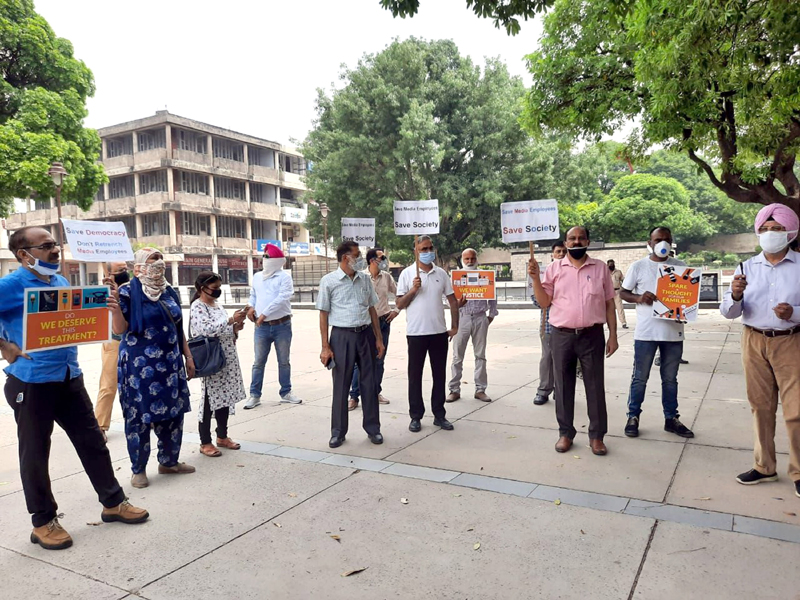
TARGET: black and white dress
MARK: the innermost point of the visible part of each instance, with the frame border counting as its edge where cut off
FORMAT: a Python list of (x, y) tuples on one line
[(225, 388)]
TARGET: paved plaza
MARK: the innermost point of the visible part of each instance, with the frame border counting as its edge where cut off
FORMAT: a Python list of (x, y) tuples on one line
[(488, 510)]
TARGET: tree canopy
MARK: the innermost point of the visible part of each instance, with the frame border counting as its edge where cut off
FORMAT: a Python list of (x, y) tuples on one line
[(43, 95)]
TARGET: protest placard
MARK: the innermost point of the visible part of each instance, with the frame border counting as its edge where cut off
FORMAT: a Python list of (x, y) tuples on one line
[(98, 241), (677, 293), (361, 231), (473, 285), (529, 221), (417, 217), (56, 317)]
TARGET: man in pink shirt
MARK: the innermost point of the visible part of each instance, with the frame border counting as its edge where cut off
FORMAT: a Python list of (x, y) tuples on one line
[(580, 294)]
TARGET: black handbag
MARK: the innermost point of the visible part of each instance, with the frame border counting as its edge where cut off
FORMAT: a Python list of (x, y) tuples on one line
[(209, 359)]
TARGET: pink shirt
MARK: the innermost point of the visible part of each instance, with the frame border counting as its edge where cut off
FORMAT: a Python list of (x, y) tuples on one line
[(578, 295)]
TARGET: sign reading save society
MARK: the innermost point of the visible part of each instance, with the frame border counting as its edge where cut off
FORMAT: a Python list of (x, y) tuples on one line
[(529, 221), (416, 217)]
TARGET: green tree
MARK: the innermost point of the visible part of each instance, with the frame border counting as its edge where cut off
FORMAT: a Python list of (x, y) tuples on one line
[(717, 79), (43, 95), (639, 202)]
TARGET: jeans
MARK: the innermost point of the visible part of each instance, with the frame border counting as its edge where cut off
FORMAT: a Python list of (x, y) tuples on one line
[(355, 391), (265, 335), (644, 353)]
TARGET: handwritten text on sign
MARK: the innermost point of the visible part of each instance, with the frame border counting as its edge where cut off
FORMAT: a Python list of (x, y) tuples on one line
[(677, 293), (98, 241), (56, 317), (528, 221), (473, 285), (418, 217), (361, 231)]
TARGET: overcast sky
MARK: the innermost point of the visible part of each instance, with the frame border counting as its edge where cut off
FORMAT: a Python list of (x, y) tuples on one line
[(250, 65)]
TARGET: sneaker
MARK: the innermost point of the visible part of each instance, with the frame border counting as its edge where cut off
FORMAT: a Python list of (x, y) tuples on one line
[(124, 512), (540, 399), (753, 477), (253, 402), (675, 426), (382, 399), (632, 427), (51, 536), (290, 398)]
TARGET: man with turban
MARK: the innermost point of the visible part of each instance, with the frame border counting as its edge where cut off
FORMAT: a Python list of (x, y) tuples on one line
[(766, 292)]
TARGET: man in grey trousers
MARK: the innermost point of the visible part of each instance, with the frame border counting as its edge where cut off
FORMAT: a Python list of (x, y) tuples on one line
[(546, 380)]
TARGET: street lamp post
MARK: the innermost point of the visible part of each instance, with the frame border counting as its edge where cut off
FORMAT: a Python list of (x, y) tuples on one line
[(57, 172), (323, 210)]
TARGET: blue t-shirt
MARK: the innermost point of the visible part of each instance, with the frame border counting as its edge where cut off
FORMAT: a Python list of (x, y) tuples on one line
[(45, 366)]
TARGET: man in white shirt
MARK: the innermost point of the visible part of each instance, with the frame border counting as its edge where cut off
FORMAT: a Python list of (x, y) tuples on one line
[(653, 335), (426, 331), (270, 308)]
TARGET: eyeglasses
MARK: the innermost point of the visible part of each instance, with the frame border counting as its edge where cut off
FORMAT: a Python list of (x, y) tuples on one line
[(47, 247), (775, 228)]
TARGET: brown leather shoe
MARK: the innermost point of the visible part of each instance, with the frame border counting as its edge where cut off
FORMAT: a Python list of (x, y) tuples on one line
[(482, 397), (598, 447), (125, 512), (563, 444), (179, 469), (382, 399), (228, 443), (51, 536), (139, 480), (452, 397), (352, 404)]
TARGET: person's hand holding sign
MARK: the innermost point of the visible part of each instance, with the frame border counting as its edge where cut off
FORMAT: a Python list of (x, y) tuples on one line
[(533, 268), (647, 298)]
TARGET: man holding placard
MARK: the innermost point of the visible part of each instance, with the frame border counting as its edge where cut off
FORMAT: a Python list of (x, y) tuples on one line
[(46, 387)]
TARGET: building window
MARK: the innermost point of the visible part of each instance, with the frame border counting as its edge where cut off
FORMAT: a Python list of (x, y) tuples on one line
[(152, 139), (101, 194), (231, 227), (155, 181), (194, 183), (264, 230), (264, 194), (191, 141), (120, 187), (40, 203), (195, 224), (228, 150), (293, 164), (262, 157), (155, 224), (119, 146), (229, 188), (130, 225)]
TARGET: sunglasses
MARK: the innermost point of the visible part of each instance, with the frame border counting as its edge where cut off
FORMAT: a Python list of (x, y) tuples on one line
[(47, 247)]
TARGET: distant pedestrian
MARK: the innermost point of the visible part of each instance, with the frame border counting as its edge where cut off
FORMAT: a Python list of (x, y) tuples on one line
[(546, 375), (616, 278)]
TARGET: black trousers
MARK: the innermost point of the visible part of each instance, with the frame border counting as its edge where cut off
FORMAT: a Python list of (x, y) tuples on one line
[(589, 347), (36, 407), (221, 415), (435, 346), (351, 349)]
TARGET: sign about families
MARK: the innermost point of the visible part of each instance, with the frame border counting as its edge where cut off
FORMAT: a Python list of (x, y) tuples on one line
[(56, 317), (473, 285), (530, 220), (361, 231), (417, 217), (98, 241), (677, 293)]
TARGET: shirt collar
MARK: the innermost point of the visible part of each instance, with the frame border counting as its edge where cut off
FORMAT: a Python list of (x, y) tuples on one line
[(791, 256), (566, 263), (29, 276), (340, 274)]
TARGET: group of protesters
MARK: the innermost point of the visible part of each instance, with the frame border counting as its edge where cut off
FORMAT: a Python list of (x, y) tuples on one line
[(149, 361)]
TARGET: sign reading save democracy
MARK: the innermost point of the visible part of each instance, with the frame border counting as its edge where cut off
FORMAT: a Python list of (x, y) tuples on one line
[(361, 231), (677, 293), (56, 317), (416, 217), (98, 241), (529, 221)]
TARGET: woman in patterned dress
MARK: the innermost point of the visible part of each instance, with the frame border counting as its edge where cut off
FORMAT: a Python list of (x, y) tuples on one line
[(152, 380), (222, 390)]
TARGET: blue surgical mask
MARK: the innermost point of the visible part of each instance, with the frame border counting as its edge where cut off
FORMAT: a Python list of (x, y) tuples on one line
[(43, 268), (427, 258)]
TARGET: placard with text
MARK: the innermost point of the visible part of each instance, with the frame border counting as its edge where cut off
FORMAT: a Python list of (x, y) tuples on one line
[(473, 285), (529, 221), (98, 241), (57, 317), (677, 293), (417, 217), (361, 231)]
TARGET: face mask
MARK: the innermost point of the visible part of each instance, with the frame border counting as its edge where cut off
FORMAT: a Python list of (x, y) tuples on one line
[(121, 278), (383, 264), (661, 249), (214, 293), (357, 264), (773, 242), (612, 268), (270, 266), (578, 253), (427, 258), (154, 271), (43, 268)]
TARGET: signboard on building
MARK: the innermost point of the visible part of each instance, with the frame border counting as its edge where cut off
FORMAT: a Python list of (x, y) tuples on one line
[(260, 245), (417, 217), (98, 241), (223, 262), (299, 249), (361, 231), (57, 317), (677, 293), (292, 214), (473, 285), (528, 221)]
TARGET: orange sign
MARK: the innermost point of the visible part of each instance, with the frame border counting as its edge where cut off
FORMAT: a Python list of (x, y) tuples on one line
[(677, 293), (473, 285), (56, 317)]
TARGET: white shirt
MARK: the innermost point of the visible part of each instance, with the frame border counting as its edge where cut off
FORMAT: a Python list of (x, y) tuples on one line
[(425, 314), (272, 297), (640, 278)]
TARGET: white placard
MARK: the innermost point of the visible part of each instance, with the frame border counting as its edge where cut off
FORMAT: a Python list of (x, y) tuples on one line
[(359, 230), (416, 217), (529, 221), (98, 241)]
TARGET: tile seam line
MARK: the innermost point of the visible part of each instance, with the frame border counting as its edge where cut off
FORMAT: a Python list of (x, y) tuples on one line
[(644, 559)]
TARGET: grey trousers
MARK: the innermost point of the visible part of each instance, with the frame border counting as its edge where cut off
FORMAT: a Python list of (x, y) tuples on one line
[(477, 328), (546, 380)]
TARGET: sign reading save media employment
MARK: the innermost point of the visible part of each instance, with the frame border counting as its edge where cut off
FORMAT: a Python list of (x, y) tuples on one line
[(677, 293), (361, 231), (56, 317), (416, 217), (98, 241), (529, 221), (473, 285)]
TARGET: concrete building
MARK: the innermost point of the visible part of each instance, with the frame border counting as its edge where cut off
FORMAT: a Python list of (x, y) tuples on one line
[(208, 197)]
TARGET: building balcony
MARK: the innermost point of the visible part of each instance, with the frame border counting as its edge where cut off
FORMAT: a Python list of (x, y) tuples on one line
[(268, 212), (190, 157), (225, 244), (198, 243), (152, 202), (118, 207), (266, 172), (230, 165), (150, 157), (156, 241), (234, 208), (194, 202), (121, 163), (292, 180)]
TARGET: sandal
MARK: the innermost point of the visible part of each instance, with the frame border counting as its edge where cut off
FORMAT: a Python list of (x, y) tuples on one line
[(228, 443), (210, 450)]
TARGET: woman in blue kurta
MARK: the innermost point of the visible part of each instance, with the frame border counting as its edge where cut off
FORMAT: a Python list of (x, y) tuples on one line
[(152, 381)]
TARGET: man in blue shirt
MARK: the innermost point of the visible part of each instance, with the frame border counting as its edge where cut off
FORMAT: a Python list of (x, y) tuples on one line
[(46, 387)]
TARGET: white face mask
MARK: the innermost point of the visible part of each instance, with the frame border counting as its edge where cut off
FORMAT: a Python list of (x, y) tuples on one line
[(773, 242), (270, 266), (661, 249)]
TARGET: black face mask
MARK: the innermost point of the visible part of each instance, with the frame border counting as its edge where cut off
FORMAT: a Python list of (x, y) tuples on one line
[(612, 268), (214, 293), (578, 253), (121, 278)]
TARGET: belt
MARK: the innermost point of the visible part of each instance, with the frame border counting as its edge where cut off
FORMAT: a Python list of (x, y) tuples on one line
[(775, 332), (358, 329), (279, 321), (576, 331), (386, 316)]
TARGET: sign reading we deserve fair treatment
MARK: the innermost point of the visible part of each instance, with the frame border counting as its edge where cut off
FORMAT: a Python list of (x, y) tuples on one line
[(56, 317), (416, 217), (528, 221), (473, 285), (361, 231), (98, 241)]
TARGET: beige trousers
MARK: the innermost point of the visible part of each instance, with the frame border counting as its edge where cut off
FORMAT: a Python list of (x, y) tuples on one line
[(772, 369), (620, 310), (108, 385)]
